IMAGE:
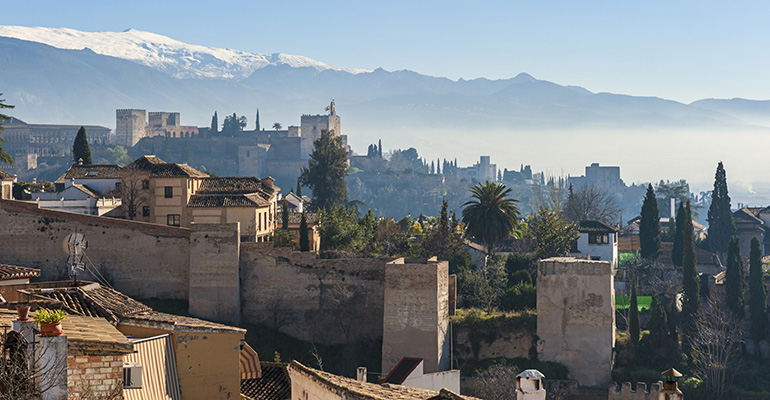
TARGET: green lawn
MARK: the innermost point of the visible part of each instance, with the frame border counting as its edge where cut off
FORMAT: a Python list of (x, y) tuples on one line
[(643, 302)]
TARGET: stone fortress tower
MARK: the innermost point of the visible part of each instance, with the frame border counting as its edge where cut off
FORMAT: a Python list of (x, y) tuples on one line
[(312, 125), (130, 126)]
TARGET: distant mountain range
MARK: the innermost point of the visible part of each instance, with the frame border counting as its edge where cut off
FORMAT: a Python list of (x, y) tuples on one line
[(56, 75)]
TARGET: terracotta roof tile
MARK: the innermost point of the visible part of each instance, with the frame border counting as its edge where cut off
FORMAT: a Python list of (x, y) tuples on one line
[(595, 227), (8, 272), (227, 200), (161, 169), (365, 390), (5, 176), (273, 385), (95, 171)]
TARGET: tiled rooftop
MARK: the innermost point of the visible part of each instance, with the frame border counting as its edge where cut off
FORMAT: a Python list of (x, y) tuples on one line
[(595, 227), (231, 185), (227, 200), (5, 176), (8, 272), (371, 391), (85, 334), (95, 171), (161, 169), (273, 385)]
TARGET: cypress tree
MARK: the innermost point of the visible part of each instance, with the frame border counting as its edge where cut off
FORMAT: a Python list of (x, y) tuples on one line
[(734, 277), (380, 148), (81, 150), (649, 226), (432, 168), (326, 171), (690, 279), (299, 189), (633, 315), (285, 214), (215, 123), (257, 130), (676, 249), (758, 293), (304, 237), (658, 324), (720, 218)]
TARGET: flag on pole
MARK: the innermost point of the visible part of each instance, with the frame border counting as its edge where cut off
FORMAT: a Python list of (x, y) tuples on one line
[(327, 108)]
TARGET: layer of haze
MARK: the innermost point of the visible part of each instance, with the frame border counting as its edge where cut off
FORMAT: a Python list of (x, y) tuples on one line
[(682, 51)]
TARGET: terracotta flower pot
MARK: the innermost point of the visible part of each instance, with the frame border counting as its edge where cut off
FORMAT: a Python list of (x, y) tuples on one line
[(54, 329), (22, 312)]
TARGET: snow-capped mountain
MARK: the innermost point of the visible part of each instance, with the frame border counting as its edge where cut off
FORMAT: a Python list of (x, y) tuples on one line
[(178, 59)]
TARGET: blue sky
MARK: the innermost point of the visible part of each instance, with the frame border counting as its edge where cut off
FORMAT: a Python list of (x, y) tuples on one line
[(684, 50)]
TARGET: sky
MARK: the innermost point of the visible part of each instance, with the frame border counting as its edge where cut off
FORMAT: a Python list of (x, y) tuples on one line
[(683, 50)]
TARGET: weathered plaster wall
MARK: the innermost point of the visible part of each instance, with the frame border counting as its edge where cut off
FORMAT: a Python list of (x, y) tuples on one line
[(208, 364), (141, 260), (576, 317), (416, 314), (214, 277), (326, 301)]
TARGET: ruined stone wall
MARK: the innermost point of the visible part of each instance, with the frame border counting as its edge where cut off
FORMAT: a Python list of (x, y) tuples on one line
[(214, 278), (141, 260), (576, 317), (416, 314), (325, 301)]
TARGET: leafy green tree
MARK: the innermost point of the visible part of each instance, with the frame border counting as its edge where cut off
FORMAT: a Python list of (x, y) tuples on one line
[(633, 315), (304, 234), (215, 123), (326, 171), (285, 214), (690, 280), (4, 156), (553, 235), (491, 215), (339, 229), (233, 125), (649, 226), (720, 218), (758, 293), (520, 296), (284, 238), (734, 277), (81, 150), (677, 249)]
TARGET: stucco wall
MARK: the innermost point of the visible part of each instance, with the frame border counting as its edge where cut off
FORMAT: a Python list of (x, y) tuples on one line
[(208, 364), (576, 317), (140, 260)]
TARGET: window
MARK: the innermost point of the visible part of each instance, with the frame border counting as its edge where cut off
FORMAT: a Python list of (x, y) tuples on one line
[(117, 186), (173, 220), (598, 238), (146, 211), (145, 184), (169, 192)]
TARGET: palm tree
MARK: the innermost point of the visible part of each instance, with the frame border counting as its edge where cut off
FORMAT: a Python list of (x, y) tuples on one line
[(277, 126), (491, 215)]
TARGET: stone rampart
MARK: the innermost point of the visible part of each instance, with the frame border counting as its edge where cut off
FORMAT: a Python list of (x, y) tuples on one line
[(326, 301), (214, 277), (139, 259), (624, 391), (576, 317)]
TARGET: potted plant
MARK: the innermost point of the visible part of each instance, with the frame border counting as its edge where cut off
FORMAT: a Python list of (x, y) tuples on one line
[(50, 321), (22, 311)]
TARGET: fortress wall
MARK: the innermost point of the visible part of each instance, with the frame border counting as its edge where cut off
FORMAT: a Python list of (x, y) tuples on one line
[(576, 317), (139, 259), (326, 301)]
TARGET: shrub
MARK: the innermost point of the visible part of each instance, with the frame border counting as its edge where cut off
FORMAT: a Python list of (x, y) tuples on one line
[(521, 276), (519, 297), (517, 262)]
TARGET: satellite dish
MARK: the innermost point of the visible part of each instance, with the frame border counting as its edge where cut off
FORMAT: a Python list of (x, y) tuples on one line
[(74, 245)]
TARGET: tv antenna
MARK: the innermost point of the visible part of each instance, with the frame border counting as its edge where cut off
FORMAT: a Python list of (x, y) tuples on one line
[(75, 245)]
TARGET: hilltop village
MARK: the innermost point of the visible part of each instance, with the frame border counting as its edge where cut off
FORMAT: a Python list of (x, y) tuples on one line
[(215, 262)]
